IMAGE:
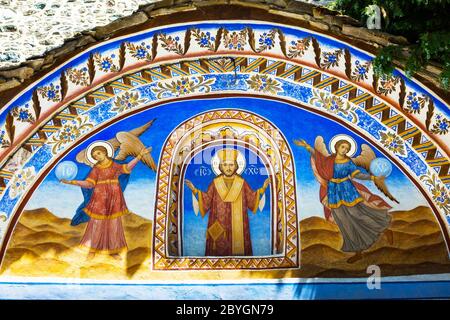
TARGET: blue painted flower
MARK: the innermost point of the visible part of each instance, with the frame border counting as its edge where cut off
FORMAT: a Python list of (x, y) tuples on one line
[(332, 58), (24, 115), (106, 65), (51, 94), (393, 145), (141, 53), (361, 70), (411, 97), (204, 41), (444, 126), (415, 105), (334, 106), (442, 197)]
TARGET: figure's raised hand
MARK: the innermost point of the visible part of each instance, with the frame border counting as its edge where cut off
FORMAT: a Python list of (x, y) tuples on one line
[(379, 179), (301, 143), (190, 185)]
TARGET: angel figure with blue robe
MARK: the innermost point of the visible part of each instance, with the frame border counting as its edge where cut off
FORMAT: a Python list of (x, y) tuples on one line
[(360, 215)]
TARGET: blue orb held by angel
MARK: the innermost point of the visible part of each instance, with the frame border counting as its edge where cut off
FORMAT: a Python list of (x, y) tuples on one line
[(380, 167), (66, 170)]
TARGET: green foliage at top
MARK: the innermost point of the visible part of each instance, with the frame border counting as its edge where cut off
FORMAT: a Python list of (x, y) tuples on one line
[(425, 23)]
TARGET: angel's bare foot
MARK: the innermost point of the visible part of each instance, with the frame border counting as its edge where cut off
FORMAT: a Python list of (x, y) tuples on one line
[(389, 236), (116, 256), (356, 257), (90, 256)]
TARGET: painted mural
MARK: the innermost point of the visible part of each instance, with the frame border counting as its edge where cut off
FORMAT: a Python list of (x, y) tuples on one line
[(94, 213), (234, 151)]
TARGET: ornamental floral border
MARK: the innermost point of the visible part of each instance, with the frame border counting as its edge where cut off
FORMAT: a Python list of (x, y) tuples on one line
[(297, 45)]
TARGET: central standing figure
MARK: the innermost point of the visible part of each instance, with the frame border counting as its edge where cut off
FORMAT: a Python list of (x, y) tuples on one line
[(227, 199)]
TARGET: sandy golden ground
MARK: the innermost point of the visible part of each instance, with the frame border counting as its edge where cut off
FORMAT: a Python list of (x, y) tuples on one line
[(44, 245)]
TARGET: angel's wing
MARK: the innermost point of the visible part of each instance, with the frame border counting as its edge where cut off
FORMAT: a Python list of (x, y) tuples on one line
[(140, 130), (381, 185), (319, 145), (365, 157), (132, 145), (81, 156)]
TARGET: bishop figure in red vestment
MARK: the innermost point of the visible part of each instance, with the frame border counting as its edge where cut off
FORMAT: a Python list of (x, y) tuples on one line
[(228, 199)]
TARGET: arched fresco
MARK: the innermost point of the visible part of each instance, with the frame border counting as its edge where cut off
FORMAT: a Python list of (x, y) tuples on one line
[(294, 83)]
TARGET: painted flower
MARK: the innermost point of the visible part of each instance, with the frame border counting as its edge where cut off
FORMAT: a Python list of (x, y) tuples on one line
[(105, 64), (20, 181), (127, 101), (69, 132), (331, 59), (333, 104), (392, 142), (438, 191), (441, 125), (266, 41), (139, 52), (414, 104), (235, 40), (361, 71), (204, 39), (78, 76), (388, 84), (183, 86), (298, 48), (171, 43), (263, 83), (22, 115), (50, 92)]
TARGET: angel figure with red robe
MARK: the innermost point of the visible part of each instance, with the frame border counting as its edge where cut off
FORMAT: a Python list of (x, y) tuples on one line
[(104, 203), (360, 215)]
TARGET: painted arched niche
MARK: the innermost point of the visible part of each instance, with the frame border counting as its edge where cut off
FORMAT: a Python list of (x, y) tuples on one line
[(226, 129), (402, 119)]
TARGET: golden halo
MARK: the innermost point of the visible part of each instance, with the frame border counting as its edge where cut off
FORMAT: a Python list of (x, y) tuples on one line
[(215, 161), (347, 138), (107, 145)]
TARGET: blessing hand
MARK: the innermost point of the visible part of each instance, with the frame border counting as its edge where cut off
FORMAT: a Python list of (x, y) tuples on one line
[(190, 185)]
